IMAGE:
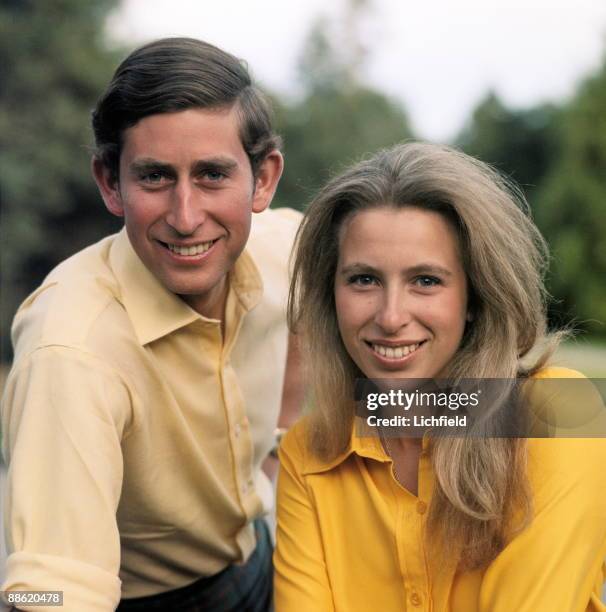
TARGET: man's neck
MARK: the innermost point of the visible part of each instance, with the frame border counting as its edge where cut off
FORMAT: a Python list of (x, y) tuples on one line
[(212, 304)]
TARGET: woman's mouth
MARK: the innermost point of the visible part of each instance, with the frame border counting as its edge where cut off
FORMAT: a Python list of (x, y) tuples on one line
[(395, 353)]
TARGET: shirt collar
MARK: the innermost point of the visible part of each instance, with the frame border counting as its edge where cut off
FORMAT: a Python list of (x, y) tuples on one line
[(156, 312), (369, 447)]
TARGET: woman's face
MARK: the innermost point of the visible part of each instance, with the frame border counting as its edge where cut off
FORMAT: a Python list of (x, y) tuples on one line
[(400, 292)]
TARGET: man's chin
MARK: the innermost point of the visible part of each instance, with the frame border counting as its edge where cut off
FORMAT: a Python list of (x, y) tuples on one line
[(189, 286)]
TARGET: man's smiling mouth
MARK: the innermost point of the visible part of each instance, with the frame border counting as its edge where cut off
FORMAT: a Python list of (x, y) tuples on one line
[(189, 251)]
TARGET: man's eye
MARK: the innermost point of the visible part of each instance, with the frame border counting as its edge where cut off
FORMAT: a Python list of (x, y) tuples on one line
[(153, 178), (427, 281), (362, 280), (214, 175)]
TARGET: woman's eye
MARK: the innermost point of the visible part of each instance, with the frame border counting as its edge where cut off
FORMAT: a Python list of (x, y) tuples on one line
[(427, 281), (362, 280)]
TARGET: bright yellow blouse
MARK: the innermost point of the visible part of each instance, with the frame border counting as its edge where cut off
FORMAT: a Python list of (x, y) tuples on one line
[(350, 538)]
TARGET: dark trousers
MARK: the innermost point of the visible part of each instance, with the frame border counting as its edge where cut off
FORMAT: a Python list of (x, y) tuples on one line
[(238, 588)]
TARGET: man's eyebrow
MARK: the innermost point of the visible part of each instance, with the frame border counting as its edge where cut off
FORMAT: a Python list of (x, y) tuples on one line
[(148, 164), (224, 164)]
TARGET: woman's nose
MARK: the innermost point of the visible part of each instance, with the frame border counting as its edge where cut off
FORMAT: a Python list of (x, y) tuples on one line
[(393, 312)]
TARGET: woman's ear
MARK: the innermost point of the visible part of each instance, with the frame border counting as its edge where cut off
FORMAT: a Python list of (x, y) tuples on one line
[(109, 187), (469, 317)]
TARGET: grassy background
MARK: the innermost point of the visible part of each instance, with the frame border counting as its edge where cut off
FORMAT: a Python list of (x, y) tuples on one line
[(587, 357)]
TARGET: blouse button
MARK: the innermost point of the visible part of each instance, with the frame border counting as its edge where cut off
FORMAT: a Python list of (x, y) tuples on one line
[(415, 600), (421, 507)]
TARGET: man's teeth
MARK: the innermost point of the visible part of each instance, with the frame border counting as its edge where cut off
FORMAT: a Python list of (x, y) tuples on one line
[(192, 250), (395, 352)]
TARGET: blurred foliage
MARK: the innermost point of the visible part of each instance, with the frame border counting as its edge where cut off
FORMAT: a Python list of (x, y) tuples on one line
[(558, 156), (522, 143), (571, 206), (338, 119), (55, 63)]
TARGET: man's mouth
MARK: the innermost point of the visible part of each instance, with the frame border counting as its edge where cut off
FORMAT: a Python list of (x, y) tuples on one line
[(189, 251)]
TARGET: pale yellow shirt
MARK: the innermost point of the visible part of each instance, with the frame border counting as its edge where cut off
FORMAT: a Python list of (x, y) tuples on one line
[(133, 432), (351, 539)]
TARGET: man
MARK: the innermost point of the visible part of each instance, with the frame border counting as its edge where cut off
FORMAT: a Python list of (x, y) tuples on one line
[(148, 367)]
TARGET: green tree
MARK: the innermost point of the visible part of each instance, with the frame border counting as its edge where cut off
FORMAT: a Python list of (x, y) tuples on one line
[(54, 65), (571, 207), (522, 143), (338, 119), (558, 156)]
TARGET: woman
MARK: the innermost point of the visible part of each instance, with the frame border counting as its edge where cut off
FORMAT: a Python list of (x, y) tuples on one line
[(423, 263)]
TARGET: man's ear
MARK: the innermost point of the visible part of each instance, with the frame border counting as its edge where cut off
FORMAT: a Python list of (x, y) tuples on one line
[(109, 187), (266, 182)]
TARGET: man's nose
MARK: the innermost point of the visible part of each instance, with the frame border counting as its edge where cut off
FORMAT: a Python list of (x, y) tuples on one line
[(186, 212), (394, 311)]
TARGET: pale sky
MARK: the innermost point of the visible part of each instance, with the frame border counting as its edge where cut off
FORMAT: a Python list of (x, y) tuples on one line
[(437, 57)]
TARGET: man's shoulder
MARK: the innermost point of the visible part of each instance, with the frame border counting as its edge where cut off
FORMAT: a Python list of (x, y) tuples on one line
[(270, 246), (69, 302), (272, 234)]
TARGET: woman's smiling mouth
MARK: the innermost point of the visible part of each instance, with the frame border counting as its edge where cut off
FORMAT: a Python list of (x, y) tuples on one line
[(394, 352)]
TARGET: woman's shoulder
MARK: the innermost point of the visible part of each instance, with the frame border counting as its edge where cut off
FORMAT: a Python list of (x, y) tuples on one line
[(297, 448), (563, 403), (557, 372), (294, 447), (570, 454), (568, 474), (571, 418), (294, 438)]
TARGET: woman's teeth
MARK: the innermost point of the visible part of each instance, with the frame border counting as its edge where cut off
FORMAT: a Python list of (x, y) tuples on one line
[(395, 352)]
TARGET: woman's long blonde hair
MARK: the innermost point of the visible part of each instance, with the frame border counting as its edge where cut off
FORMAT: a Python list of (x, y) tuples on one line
[(480, 482)]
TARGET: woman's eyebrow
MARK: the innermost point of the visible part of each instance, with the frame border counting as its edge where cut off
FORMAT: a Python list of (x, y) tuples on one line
[(421, 268), (357, 268), (429, 268)]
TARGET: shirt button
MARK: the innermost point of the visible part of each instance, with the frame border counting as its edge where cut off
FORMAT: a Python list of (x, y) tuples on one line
[(421, 507), (237, 429), (415, 600)]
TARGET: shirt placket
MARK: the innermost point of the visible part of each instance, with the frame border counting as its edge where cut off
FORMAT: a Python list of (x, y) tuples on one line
[(410, 522), (240, 438)]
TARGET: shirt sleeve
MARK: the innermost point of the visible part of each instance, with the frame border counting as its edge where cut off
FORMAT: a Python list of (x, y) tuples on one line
[(301, 580), (557, 562), (64, 414)]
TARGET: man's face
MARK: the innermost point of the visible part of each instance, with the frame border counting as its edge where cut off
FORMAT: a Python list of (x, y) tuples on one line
[(186, 192)]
